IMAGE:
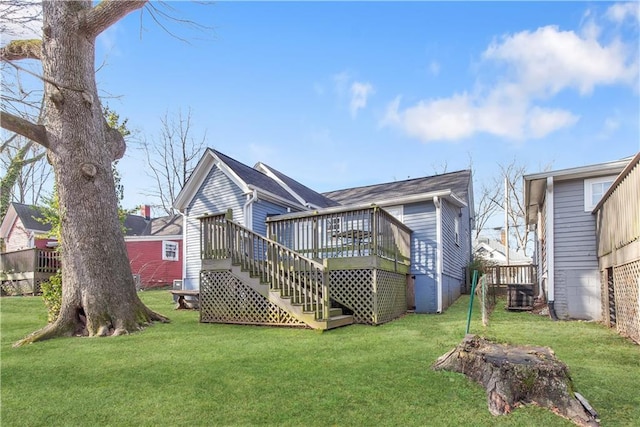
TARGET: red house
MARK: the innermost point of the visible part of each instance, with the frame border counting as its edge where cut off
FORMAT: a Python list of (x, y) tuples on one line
[(154, 247), (155, 251)]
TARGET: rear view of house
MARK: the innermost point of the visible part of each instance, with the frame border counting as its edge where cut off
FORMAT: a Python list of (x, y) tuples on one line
[(559, 207), (264, 248)]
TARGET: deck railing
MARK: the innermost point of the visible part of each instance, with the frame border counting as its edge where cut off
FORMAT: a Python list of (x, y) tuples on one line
[(502, 275), (293, 275), (344, 232), (617, 214), (32, 260)]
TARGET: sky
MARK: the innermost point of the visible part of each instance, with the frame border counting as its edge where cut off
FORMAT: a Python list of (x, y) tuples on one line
[(344, 94)]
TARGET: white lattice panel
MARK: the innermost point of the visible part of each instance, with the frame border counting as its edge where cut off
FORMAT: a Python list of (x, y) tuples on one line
[(391, 294), (374, 296), (626, 282), (225, 299)]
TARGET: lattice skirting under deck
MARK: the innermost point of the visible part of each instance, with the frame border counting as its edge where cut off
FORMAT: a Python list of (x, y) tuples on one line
[(626, 280), (375, 296), (225, 299)]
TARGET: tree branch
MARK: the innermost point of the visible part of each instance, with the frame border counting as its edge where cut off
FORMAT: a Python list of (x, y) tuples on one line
[(37, 133), (21, 49), (107, 13)]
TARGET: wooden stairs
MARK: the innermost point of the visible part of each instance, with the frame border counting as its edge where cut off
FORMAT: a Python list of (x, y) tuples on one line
[(288, 303)]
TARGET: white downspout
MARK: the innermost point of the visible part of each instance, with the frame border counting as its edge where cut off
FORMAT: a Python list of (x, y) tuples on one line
[(184, 248), (246, 209), (549, 242), (438, 203)]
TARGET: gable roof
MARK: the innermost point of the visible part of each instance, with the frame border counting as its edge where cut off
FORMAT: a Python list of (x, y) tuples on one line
[(301, 192), (245, 177), (27, 214), (453, 184), (170, 225), (492, 247), (255, 178), (535, 184)]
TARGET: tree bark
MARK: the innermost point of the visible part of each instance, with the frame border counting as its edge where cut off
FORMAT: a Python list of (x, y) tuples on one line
[(517, 375), (98, 296)]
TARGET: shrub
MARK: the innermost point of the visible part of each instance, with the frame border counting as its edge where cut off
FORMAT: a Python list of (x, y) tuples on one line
[(52, 295)]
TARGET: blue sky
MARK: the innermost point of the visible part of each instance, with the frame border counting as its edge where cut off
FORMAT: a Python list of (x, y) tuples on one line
[(345, 94)]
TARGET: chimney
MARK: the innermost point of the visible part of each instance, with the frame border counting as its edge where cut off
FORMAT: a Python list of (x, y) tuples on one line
[(145, 211)]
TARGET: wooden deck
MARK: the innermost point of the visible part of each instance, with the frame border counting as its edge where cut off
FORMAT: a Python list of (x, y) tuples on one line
[(21, 272), (355, 259)]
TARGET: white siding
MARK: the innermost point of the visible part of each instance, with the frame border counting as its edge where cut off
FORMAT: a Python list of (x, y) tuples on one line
[(217, 194)]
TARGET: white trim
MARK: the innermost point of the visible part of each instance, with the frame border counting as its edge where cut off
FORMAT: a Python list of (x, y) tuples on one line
[(400, 212), (266, 195), (588, 190), (438, 203), (549, 241), (208, 161), (265, 169), (614, 167), (152, 238), (456, 230), (166, 243), (184, 245)]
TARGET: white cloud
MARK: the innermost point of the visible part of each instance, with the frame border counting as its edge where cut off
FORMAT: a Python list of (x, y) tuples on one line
[(619, 12), (549, 60), (359, 93), (534, 66), (541, 121)]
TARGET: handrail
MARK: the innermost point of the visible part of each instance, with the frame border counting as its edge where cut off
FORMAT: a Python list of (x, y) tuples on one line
[(295, 276), (30, 260)]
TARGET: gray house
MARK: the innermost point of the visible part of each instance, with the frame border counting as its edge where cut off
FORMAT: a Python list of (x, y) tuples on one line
[(559, 206), (257, 236)]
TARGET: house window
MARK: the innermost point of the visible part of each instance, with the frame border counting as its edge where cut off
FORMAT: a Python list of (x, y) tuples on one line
[(456, 230), (169, 251), (594, 189)]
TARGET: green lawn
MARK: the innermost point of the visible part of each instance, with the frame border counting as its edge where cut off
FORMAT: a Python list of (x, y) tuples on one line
[(189, 374)]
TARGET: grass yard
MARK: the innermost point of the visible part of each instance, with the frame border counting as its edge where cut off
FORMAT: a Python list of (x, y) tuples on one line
[(190, 374)]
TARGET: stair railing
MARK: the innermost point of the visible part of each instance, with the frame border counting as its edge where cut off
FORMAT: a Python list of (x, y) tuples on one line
[(294, 276)]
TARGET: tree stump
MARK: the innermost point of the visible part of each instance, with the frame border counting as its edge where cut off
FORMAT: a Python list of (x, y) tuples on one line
[(518, 375)]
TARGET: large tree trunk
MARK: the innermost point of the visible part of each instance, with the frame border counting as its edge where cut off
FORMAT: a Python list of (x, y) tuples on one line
[(99, 296), (518, 375)]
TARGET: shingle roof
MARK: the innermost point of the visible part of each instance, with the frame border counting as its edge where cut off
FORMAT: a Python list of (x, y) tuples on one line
[(170, 225), (29, 215), (457, 182), (309, 195), (134, 225), (256, 178)]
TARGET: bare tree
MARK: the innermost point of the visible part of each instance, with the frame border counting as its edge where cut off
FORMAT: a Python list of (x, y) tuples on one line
[(512, 174), (491, 204), (487, 206), (171, 158), (99, 296)]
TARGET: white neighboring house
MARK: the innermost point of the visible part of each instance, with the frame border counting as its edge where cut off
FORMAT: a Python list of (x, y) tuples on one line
[(495, 252)]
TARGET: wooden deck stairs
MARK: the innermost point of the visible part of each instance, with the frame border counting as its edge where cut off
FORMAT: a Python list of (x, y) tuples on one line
[(295, 284), (291, 304)]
